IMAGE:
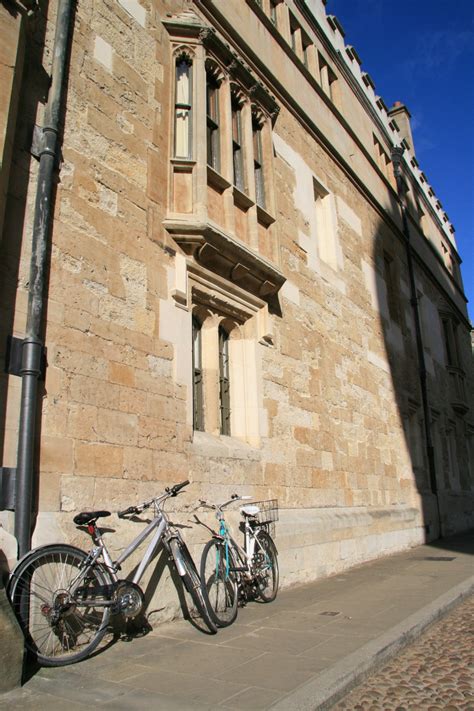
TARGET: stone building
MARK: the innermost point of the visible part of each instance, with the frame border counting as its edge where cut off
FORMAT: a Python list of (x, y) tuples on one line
[(239, 291)]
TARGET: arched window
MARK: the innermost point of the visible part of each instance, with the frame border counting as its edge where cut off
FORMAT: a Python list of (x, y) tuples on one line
[(224, 380), (183, 108), (258, 162), (198, 408), (212, 111), (237, 147)]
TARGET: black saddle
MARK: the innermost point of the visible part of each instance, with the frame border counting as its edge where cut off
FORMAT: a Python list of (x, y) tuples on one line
[(89, 517)]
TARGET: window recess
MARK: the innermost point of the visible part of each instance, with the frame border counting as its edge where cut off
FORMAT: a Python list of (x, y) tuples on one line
[(212, 120), (258, 166), (224, 381), (198, 403), (237, 144), (183, 108)]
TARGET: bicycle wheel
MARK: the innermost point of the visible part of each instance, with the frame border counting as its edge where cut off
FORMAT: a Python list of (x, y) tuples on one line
[(266, 566), (48, 591), (219, 585), (191, 580)]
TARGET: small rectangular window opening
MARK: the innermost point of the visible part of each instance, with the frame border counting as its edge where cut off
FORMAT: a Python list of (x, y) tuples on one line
[(183, 109), (198, 409), (237, 153), (212, 111), (258, 162), (224, 380), (392, 296)]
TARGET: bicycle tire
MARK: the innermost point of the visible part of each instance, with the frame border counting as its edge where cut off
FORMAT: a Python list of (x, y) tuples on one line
[(219, 585), (192, 582), (38, 587), (267, 576)]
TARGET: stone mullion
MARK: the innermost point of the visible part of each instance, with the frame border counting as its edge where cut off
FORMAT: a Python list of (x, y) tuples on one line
[(200, 136), (227, 168), (247, 138)]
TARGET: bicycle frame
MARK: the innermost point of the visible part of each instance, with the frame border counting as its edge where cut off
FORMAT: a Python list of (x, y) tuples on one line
[(160, 524), (251, 539)]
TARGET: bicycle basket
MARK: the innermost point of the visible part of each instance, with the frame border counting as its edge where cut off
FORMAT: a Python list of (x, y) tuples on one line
[(267, 515)]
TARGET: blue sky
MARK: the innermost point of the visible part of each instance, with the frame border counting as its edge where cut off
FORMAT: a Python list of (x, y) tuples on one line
[(421, 52)]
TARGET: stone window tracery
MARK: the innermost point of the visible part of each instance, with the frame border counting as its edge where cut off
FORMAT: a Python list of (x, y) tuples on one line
[(219, 216)]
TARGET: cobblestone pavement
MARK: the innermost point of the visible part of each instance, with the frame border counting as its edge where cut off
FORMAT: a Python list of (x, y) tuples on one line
[(434, 673)]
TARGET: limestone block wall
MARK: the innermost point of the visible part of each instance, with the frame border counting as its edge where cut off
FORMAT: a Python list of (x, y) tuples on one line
[(336, 404)]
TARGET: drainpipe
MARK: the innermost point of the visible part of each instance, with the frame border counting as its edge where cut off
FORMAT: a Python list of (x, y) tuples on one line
[(397, 153), (33, 345)]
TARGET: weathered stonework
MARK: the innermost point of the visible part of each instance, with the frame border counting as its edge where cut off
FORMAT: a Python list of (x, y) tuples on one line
[(312, 283)]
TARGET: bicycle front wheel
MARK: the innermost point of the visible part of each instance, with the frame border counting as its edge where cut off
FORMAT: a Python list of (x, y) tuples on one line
[(52, 594), (266, 567), (219, 584), (191, 580)]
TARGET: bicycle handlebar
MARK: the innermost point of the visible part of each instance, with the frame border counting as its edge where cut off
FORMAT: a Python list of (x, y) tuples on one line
[(232, 500), (173, 491), (127, 512), (177, 487)]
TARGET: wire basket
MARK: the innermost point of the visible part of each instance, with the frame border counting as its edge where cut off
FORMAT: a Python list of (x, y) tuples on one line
[(267, 515)]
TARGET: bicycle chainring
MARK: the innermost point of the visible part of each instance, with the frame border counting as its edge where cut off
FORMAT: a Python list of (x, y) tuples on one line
[(129, 599)]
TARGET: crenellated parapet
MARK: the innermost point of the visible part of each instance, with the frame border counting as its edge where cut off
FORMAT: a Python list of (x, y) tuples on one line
[(389, 118)]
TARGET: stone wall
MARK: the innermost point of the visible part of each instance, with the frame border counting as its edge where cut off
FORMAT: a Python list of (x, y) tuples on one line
[(339, 406)]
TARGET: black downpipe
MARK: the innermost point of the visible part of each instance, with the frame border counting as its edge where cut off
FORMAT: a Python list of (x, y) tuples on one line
[(397, 153), (33, 343)]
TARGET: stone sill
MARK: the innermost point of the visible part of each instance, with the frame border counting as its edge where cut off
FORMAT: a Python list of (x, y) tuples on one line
[(241, 199), (264, 217), (216, 180), (221, 446)]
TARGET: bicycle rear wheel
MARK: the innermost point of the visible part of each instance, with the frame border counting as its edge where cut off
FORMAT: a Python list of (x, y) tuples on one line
[(191, 580), (266, 566), (48, 591), (219, 584)]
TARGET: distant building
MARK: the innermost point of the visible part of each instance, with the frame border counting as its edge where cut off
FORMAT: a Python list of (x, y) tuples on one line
[(232, 294)]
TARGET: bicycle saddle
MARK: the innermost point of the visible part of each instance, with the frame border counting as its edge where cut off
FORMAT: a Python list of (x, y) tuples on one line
[(89, 516), (250, 510)]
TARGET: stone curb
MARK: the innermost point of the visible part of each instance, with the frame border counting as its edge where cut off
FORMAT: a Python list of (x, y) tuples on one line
[(322, 692)]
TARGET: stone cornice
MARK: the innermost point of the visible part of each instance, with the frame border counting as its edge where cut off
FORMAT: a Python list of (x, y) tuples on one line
[(227, 256)]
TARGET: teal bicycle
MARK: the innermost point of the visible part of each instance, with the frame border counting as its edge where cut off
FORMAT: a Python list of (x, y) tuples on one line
[(231, 574)]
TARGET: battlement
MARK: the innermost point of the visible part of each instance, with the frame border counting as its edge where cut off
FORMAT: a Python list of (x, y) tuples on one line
[(389, 117)]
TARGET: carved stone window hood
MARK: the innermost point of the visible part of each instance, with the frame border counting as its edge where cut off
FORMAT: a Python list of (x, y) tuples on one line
[(226, 256)]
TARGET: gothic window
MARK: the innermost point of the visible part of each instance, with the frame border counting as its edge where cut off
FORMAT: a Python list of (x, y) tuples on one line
[(183, 108), (224, 381), (450, 341), (237, 146), (212, 111), (391, 286), (198, 410), (258, 162)]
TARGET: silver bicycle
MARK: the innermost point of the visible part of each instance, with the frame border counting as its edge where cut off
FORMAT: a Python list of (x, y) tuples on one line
[(63, 597), (231, 574)]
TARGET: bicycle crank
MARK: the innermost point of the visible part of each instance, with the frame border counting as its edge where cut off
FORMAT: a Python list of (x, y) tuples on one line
[(129, 599)]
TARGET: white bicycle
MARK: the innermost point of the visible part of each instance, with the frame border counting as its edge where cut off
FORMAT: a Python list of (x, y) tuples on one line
[(231, 574)]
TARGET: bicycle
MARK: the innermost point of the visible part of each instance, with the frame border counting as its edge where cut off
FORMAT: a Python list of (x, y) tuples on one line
[(63, 597), (231, 574)]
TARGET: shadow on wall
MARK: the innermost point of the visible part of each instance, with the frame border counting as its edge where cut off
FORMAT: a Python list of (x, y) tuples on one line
[(420, 386), (33, 91), (16, 239)]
